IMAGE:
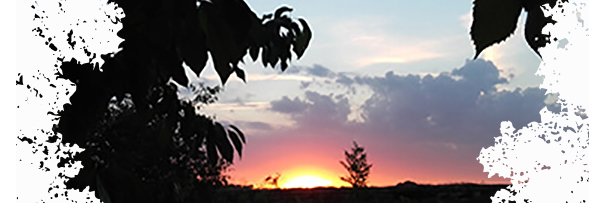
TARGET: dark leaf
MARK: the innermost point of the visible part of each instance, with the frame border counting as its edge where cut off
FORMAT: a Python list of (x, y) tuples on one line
[(284, 65), (235, 139), (193, 44), (178, 74), (254, 52), (228, 25), (211, 150), (223, 144), (223, 69), (265, 53), (303, 39), (266, 17), (240, 74), (281, 10), (296, 29), (273, 56), (239, 133), (493, 22), (533, 29)]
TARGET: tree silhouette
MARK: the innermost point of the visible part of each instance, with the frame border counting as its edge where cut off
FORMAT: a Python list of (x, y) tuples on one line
[(141, 143), (495, 20), (357, 166), (189, 155), (273, 180), (214, 174)]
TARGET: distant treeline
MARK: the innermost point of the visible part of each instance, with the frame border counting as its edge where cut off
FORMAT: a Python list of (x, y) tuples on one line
[(404, 192)]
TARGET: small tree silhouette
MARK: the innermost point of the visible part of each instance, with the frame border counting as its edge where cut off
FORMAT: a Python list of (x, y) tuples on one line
[(273, 180), (357, 166)]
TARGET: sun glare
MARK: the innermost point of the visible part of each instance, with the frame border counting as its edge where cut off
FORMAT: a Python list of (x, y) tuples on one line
[(307, 181)]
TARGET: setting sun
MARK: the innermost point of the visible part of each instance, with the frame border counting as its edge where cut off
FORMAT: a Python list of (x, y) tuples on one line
[(307, 181)]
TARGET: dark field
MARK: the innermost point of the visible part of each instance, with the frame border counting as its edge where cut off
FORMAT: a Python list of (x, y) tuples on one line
[(405, 193)]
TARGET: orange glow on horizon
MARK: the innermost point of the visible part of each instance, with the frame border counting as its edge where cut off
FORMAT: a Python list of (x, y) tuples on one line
[(324, 165), (305, 176), (306, 181)]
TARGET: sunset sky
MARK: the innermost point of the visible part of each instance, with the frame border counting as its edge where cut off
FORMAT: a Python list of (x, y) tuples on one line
[(395, 76)]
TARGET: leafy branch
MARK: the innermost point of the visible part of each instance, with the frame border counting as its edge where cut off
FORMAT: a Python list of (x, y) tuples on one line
[(495, 20)]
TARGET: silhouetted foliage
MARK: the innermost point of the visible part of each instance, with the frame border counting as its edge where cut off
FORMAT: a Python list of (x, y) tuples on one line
[(214, 174), (457, 193), (190, 157), (495, 20), (273, 180), (141, 143), (357, 166)]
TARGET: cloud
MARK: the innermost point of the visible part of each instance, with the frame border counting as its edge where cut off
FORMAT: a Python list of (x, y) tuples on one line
[(315, 71), (344, 80), (287, 106), (316, 109), (254, 125), (370, 40), (320, 71), (304, 84), (238, 99), (238, 105), (384, 49), (262, 77), (319, 75), (459, 106), (417, 124)]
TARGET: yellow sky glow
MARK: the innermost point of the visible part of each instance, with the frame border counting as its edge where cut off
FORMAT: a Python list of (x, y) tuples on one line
[(309, 177), (306, 181)]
